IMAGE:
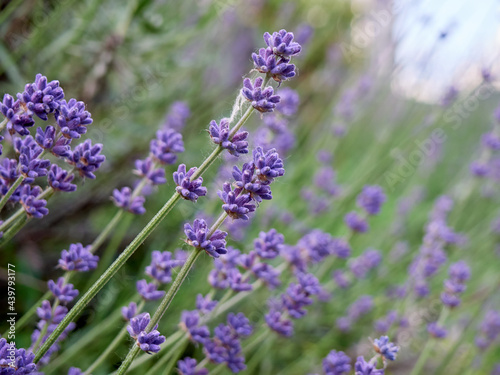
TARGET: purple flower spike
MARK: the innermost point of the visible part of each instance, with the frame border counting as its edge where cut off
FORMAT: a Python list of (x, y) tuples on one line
[(87, 158), (220, 135), (197, 237), (246, 180), (150, 342), (138, 324), (336, 363), (149, 291), (78, 258), (189, 190), (177, 116), (236, 206), (166, 145), (30, 166), (240, 325), (187, 366), (144, 168), (266, 62), (263, 100), (436, 330), (268, 165), (189, 323), (268, 244), (361, 367), (356, 222), (128, 312), (42, 98), (371, 199), (205, 304), (386, 348), (8, 170), (279, 324), (123, 198), (22, 359), (161, 266), (62, 291), (282, 43), (72, 118), (34, 207), (18, 119), (59, 179), (268, 274)]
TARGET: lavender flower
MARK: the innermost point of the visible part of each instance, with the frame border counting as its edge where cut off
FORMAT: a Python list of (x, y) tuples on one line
[(459, 273), (74, 371), (197, 237), (62, 291), (45, 312), (161, 266), (87, 158), (60, 179), (340, 279), (289, 101), (124, 198), (336, 363), (268, 245), (177, 116), (436, 330), (46, 139), (189, 190), (78, 258), (147, 341), (149, 291), (356, 222), (128, 312), (385, 348), (236, 206), (489, 329), (72, 118), (263, 100), (363, 305), (23, 360), (205, 304), (138, 324), (14, 112), (145, 168), (491, 140), (220, 135), (282, 43), (34, 207), (190, 323), (268, 274), (9, 171), (279, 69), (245, 180), (239, 324), (268, 165), (42, 98), (187, 366), (361, 367), (279, 324), (166, 145), (371, 199)]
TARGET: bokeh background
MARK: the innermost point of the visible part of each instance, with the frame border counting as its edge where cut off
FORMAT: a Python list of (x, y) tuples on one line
[(398, 93)]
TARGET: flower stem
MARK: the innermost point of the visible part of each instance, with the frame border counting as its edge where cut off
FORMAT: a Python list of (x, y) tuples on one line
[(429, 345), (162, 308), (108, 274), (12, 231), (11, 191), (112, 345)]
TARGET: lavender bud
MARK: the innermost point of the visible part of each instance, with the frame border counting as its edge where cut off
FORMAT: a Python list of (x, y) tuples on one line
[(149, 291), (63, 292), (263, 100), (197, 237), (220, 135), (123, 198), (189, 190)]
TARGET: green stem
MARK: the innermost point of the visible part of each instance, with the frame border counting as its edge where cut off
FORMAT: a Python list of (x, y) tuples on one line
[(162, 308), (429, 345), (107, 275), (117, 340), (11, 191), (12, 231), (2, 124), (107, 230)]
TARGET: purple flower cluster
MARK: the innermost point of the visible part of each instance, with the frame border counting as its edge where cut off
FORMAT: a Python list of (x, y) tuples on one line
[(385, 348), (458, 273), (187, 188), (252, 183), (262, 99), (148, 342), (22, 359), (187, 366), (225, 346), (489, 329), (336, 363), (220, 133), (363, 264), (292, 304), (275, 59), (125, 199), (78, 258), (63, 291), (199, 236), (437, 331), (362, 306)]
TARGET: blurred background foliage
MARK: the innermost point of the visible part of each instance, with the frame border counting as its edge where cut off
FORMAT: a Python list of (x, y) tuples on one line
[(129, 61)]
